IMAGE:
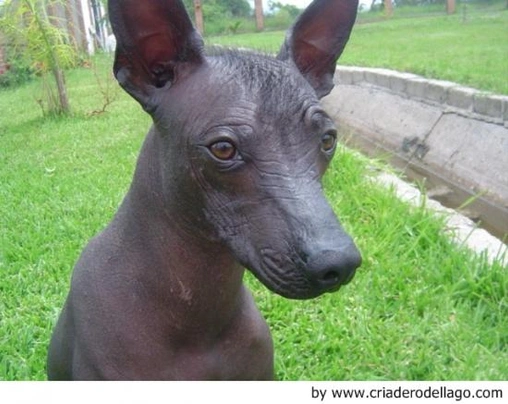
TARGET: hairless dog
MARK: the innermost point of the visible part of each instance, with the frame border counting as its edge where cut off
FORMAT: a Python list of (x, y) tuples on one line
[(229, 177)]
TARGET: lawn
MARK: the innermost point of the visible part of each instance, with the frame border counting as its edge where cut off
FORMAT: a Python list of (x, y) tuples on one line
[(420, 308), (471, 49)]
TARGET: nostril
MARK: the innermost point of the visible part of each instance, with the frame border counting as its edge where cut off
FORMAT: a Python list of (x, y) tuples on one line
[(329, 269), (331, 276)]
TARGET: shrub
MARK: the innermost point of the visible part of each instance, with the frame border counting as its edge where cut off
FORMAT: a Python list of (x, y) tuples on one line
[(19, 70)]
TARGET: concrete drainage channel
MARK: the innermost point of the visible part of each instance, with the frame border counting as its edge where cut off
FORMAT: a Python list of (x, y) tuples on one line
[(453, 138)]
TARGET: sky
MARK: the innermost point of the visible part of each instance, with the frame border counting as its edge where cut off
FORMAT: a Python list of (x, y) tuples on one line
[(305, 3), (298, 3)]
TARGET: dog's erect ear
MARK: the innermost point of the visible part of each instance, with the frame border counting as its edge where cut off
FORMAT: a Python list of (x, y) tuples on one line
[(317, 39), (155, 40)]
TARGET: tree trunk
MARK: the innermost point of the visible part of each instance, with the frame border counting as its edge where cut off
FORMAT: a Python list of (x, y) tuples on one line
[(198, 14), (43, 23), (62, 90), (258, 8), (388, 8), (450, 6)]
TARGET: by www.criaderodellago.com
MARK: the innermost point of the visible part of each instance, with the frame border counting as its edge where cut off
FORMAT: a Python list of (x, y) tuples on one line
[(400, 392)]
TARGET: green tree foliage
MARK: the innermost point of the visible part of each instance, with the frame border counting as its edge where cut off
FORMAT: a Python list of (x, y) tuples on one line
[(276, 7), (237, 8), (221, 16), (39, 38), (222, 8)]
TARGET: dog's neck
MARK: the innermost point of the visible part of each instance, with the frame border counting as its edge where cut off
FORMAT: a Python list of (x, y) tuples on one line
[(193, 278)]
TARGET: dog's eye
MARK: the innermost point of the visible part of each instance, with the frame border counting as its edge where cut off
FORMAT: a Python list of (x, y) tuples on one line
[(328, 141), (223, 150)]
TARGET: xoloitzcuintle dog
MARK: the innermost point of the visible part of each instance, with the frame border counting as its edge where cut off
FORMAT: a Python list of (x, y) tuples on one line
[(229, 177)]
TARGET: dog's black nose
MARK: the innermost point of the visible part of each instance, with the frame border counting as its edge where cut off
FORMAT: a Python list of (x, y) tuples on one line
[(330, 269)]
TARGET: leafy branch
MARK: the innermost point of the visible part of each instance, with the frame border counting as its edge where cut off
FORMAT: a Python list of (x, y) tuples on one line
[(41, 39)]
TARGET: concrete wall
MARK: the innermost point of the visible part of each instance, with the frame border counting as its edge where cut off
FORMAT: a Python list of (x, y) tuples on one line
[(455, 131)]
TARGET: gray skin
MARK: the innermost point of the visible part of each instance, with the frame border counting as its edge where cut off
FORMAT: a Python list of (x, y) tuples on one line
[(229, 177)]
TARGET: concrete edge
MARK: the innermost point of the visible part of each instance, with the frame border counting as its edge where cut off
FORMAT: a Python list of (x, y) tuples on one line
[(410, 118), (483, 105), (455, 133), (462, 230)]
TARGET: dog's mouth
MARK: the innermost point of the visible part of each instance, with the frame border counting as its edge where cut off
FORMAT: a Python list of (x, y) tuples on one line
[(288, 277)]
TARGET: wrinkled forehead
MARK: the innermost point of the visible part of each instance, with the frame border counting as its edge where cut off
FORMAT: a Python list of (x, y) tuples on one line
[(238, 88), (272, 85)]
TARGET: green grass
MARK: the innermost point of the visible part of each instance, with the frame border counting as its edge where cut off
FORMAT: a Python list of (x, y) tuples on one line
[(62, 179), (420, 308), (473, 52)]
